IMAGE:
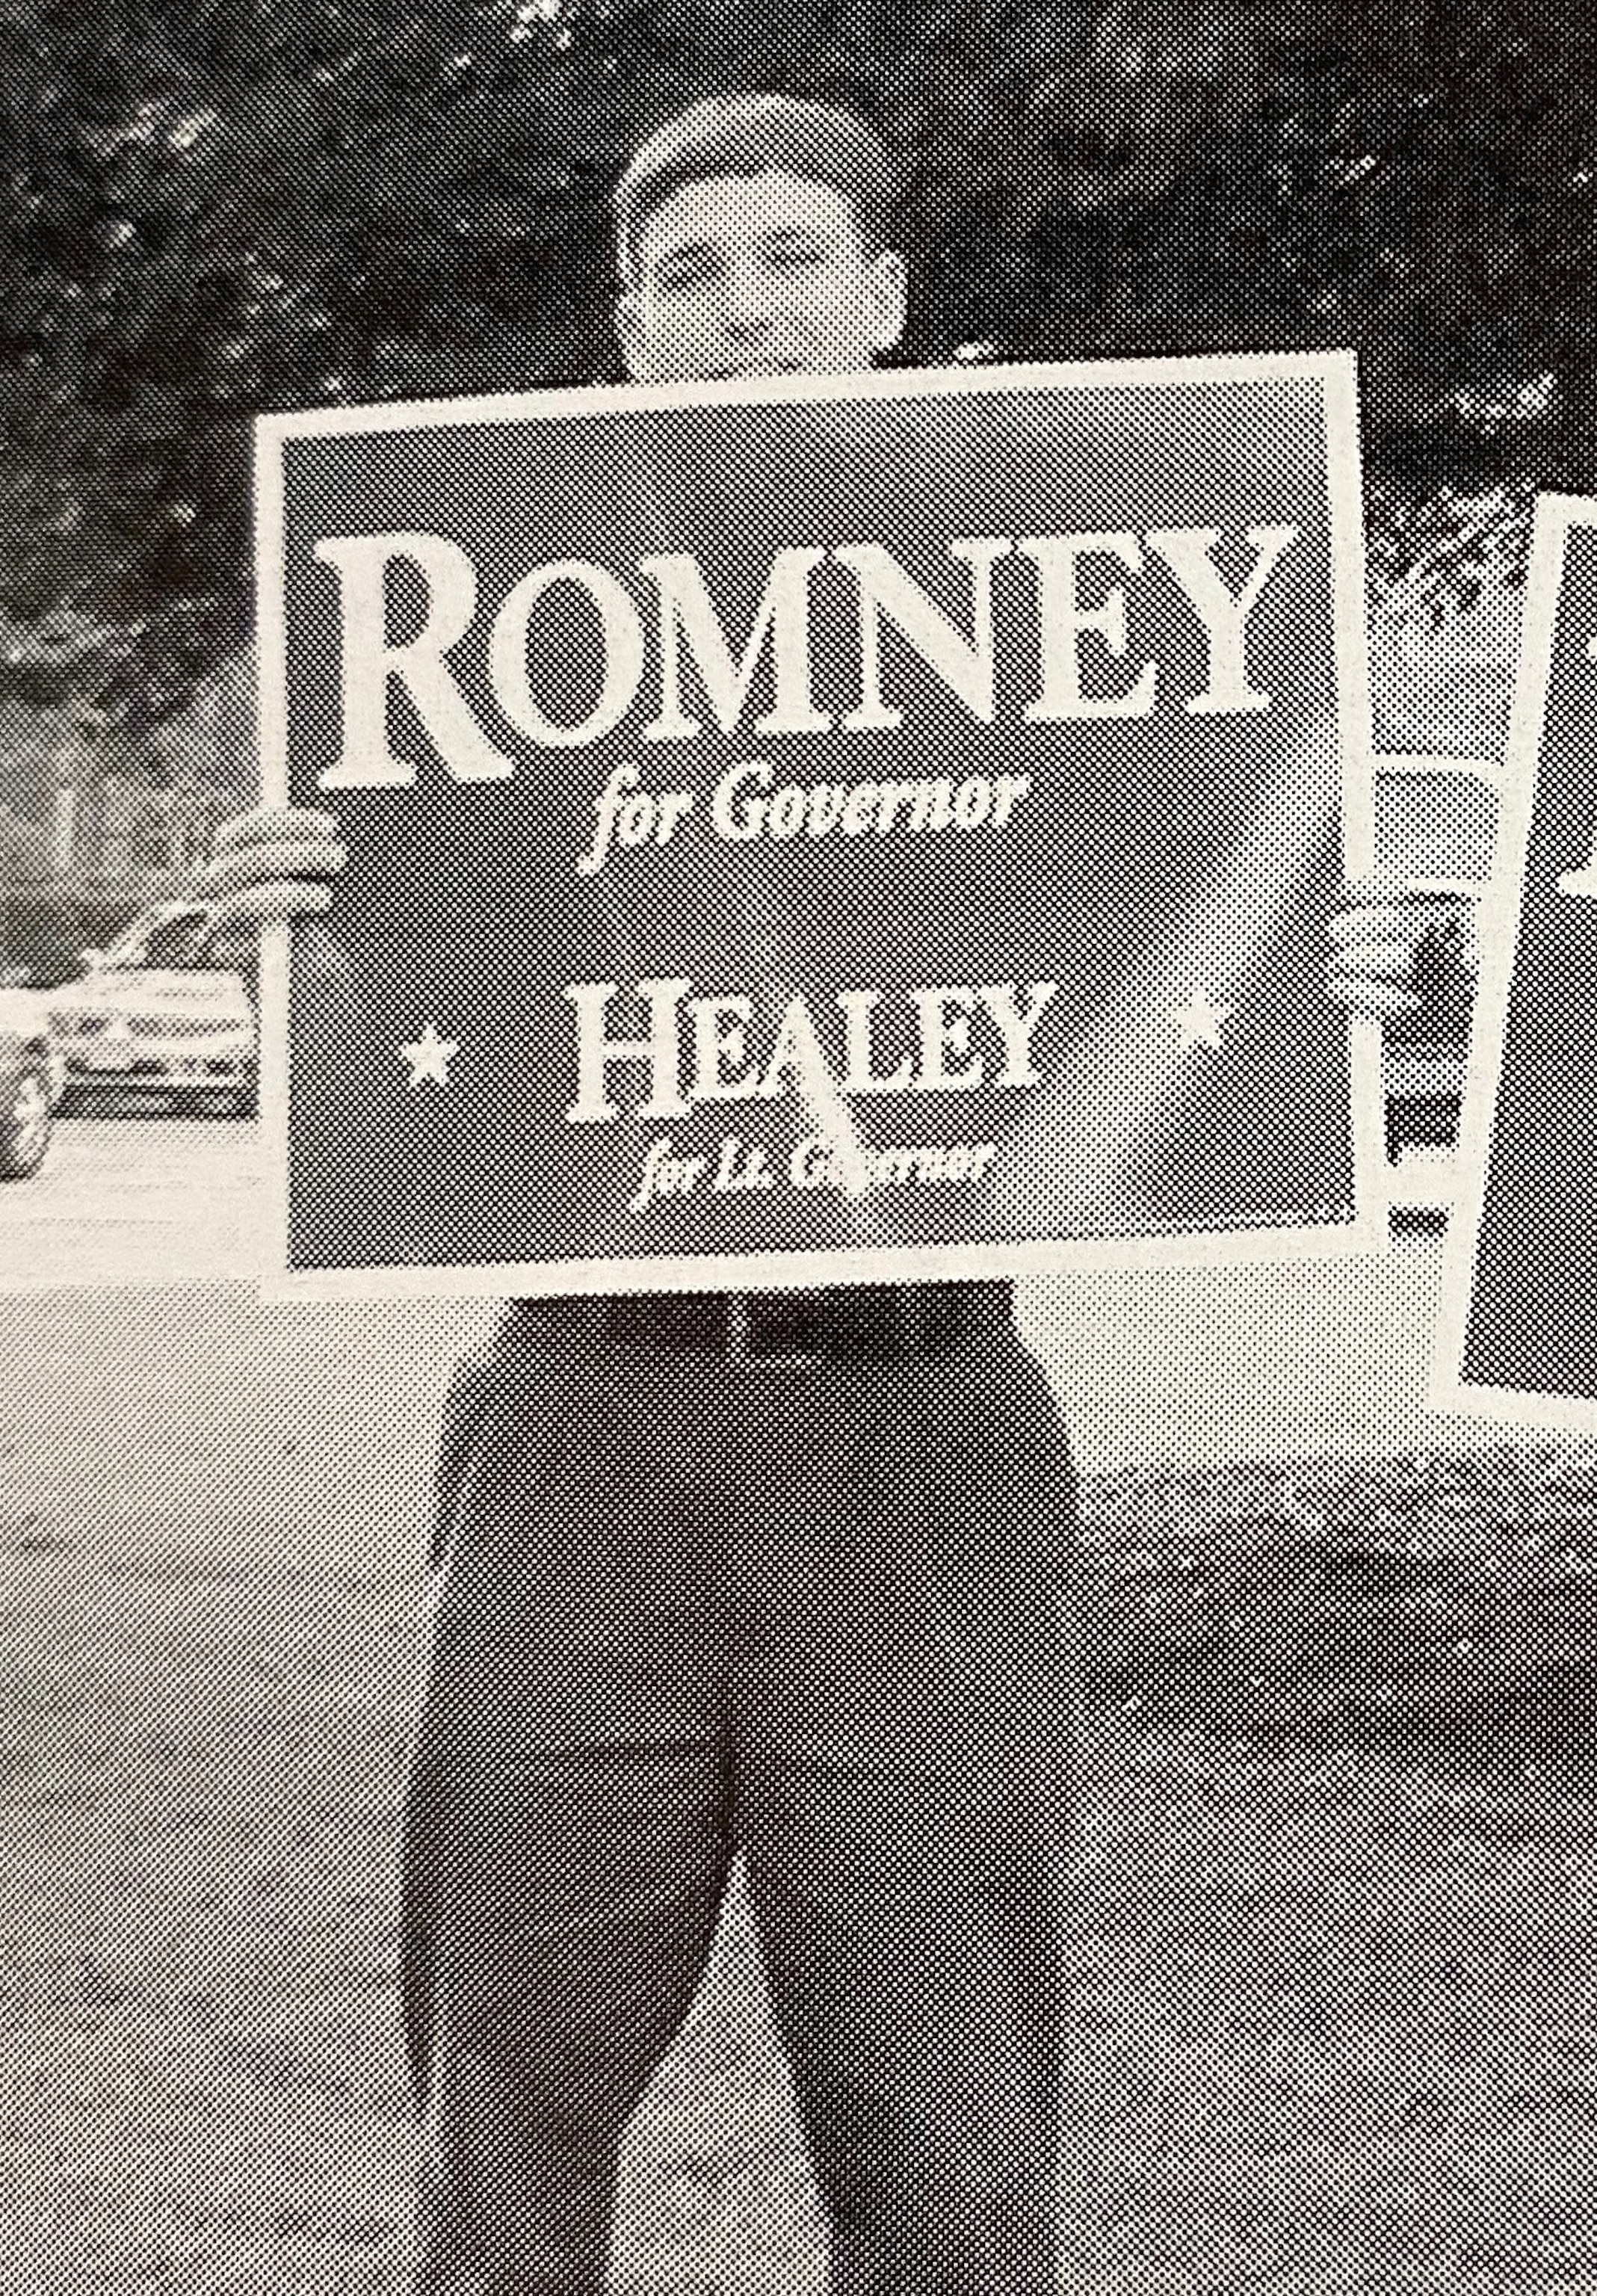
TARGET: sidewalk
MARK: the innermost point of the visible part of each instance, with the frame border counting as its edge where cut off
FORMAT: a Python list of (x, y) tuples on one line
[(1206, 1367)]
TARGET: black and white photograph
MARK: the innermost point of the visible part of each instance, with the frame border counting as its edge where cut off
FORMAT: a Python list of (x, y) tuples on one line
[(766, 777)]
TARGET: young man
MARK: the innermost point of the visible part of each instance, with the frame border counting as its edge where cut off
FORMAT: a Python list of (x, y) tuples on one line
[(782, 1579)]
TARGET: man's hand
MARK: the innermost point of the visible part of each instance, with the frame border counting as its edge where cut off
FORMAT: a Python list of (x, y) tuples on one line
[(1393, 950), (273, 864)]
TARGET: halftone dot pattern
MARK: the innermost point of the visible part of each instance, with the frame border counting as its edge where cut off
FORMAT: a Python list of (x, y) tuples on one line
[(1327, 2019), (1337, 1826), (1532, 1327), (465, 907), (219, 1661), (816, 1629), (1333, 1713)]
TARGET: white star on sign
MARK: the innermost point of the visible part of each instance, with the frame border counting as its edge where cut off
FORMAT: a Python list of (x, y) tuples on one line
[(1200, 1020), (430, 1057)]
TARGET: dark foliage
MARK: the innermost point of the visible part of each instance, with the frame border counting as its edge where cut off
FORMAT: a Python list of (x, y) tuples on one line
[(214, 206)]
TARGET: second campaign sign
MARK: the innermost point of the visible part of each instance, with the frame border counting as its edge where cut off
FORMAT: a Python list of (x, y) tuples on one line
[(880, 827), (1518, 1334)]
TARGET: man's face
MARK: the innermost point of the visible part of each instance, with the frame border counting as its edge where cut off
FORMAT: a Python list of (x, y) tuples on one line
[(763, 275)]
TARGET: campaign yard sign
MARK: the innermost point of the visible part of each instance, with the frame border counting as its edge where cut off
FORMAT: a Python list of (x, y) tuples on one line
[(876, 828), (1518, 1334)]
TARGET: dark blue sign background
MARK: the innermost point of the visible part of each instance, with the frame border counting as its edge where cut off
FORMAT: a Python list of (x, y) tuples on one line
[(1153, 859), (1532, 1325)]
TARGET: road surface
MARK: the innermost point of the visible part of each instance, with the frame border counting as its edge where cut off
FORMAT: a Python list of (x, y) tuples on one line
[(140, 1199)]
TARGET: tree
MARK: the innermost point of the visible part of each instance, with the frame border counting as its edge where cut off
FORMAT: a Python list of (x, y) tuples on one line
[(217, 207)]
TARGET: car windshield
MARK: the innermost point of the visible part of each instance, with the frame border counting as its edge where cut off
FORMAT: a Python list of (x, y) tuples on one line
[(177, 944)]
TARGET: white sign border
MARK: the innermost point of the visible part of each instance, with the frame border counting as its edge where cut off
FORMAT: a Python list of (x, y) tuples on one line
[(1365, 1234), (1556, 515)]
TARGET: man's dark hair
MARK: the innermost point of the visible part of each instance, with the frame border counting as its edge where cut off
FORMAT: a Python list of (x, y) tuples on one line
[(745, 135)]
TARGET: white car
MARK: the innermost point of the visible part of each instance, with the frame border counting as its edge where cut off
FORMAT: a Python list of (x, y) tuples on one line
[(32, 1078), (163, 1011)]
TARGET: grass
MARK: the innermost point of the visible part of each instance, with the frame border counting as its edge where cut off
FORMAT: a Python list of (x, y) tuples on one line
[(1335, 1991), (1336, 1998), (198, 1948)]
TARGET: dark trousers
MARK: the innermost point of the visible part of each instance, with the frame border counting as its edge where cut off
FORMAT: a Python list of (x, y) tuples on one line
[(811, 1614)]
